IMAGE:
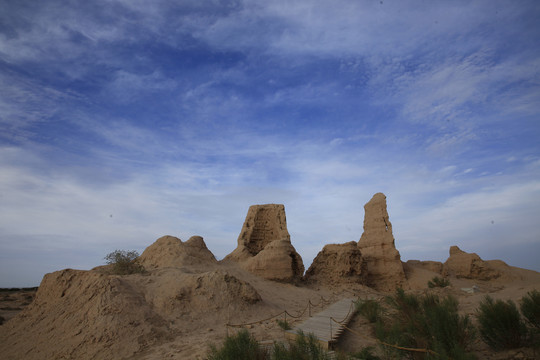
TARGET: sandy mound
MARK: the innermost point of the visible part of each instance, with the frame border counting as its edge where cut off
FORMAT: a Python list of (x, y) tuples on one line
[(170, 251), (174, 293), (90, 315), (338, 264), (80, 314), (377, 245), (264, 245), (470, 266)]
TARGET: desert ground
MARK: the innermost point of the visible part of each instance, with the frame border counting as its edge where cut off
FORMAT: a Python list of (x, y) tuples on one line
[(188, 333), (13, 301)]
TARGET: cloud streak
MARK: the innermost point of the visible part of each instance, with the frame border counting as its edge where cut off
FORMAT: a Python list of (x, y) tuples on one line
[(121, 121)]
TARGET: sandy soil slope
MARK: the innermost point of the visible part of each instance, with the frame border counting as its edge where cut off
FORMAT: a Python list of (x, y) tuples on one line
[(176, 313)]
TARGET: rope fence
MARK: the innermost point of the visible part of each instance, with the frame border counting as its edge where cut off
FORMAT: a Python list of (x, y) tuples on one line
[(341, 323), (309, 305)]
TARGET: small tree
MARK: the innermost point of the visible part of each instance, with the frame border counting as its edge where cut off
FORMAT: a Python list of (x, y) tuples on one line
[(124, 262)]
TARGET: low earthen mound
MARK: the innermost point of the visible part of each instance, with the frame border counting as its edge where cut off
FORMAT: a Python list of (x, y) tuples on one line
[(170, 251), (82, 315), (264, 245), (338, 264), (470, 266), (377, 245), (90, 315), (174, 293)]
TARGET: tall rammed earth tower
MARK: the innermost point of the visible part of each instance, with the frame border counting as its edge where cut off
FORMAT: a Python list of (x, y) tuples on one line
[(377, 245)]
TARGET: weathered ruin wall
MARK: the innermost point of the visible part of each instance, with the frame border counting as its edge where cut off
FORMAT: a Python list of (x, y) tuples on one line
[(264, 245), (470, 266), (338, 264)]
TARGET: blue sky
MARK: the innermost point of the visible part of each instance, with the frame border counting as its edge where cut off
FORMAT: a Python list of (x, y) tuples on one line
[(125, 120)]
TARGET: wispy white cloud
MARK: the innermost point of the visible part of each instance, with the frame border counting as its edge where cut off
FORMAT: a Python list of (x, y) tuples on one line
[(129, 87), (39, 100), (498, 222), (175, 117), (324, 198), (339, 28)]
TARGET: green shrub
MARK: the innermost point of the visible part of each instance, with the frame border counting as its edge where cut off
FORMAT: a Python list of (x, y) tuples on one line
[(450, 332), (438, 282), (304, 347), (365, 354), (284, 324), (501, 326), (241, 346), (425, 322), (280, 352), (530, 308), (124, 262), (370, 309)]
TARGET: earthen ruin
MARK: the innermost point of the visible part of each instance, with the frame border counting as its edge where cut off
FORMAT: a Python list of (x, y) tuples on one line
[(186, 299), (170, 251), (470, 266), (338, 264), (377, 245), (264, 245)]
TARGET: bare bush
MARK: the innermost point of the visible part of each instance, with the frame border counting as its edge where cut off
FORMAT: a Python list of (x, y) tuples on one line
[(124, 262)]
